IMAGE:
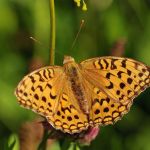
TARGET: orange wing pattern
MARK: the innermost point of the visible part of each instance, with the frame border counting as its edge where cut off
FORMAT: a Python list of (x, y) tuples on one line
[(114, 83)]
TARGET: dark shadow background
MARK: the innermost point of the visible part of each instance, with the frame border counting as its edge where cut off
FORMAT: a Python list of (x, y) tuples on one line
[(106, 22)]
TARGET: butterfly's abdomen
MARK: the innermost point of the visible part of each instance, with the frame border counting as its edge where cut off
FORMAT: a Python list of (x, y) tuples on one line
[(75, 79)]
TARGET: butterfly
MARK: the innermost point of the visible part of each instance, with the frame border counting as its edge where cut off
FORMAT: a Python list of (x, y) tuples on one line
[(97, 91)]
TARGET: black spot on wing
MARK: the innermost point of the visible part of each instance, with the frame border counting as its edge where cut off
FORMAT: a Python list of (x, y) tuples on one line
[(122, 85), (140, 74), (76, 116), (144, 70), (118, 92), (49, 104), (113, 66), (49, 85), (52, 96), (50, 74), (129, 80), (95, 101), (124, 63), (106, 63), (32, 79), (106, 109), (100, 64), (128, 72), (43, 98), (25, 94), (107, 100), (40, 87), (63, 109), (32, 89), (36, 97), (69, 118), (44, 74), (97, 111), (40, 77), (129, 91), (58, 113), (119, 74), (101, 102), (108, 75), (110, 86)]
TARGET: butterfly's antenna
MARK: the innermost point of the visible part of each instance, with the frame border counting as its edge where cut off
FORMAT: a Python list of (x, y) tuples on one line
[(35, 40), (81, 25)]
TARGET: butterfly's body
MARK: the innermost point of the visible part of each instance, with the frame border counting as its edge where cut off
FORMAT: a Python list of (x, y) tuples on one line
[(73, 73), (97, 91)]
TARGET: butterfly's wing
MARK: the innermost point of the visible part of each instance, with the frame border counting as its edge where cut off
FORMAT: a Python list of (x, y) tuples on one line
[(114, 82), (68, 118), (47, 92), (40, 90)]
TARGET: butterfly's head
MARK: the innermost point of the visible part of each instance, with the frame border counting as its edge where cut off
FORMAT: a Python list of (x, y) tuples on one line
[(68, 59)]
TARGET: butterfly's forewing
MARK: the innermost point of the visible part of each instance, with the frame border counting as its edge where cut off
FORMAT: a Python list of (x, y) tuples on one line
[(38, 90), (115, 82)]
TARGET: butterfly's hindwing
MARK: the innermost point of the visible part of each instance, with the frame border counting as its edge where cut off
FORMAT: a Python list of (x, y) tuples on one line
[(68, 116)]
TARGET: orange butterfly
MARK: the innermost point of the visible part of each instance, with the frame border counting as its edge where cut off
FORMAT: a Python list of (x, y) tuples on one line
[(98, 91)]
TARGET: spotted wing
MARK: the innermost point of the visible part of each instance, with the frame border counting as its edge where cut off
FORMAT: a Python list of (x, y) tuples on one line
[(114, 82), (40, 90)]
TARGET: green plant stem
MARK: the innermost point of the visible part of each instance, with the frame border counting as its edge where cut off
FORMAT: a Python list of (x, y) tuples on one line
[(43, 144), (52, 32)]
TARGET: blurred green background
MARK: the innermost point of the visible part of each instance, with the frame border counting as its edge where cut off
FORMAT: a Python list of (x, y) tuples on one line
[(106, 22)]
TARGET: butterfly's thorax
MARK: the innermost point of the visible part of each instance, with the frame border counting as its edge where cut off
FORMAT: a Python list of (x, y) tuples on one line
[(74, 76)]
